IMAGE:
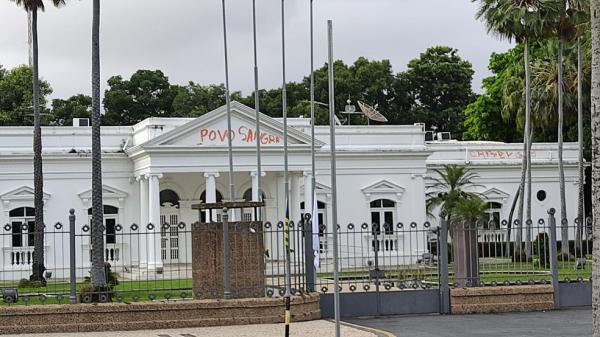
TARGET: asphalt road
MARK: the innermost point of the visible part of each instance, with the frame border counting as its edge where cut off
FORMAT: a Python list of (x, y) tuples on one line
[(564, 323)]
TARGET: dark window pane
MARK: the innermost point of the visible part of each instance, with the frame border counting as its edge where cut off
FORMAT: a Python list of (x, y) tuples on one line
[(110, 231), (321, 205), (17, 212), (17, 236), (302, 207), (389, 223), (321, 222), (110, 210), (388, 203), (375, 203), (31, 235), (375, 230), (29, 211), (248, 195), (169, 196)]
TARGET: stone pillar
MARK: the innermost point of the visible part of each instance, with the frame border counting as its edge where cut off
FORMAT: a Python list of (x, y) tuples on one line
[(211, 192), (154, 258), (143, 258)]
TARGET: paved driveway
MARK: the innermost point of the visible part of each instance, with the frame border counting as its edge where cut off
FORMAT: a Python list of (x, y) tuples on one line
[(575, 322)]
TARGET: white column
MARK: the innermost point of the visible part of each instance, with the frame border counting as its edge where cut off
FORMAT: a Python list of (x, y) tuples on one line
[(143, 258), (154, 258), (280, 197), (308, 202), (295, 197), (211, 192), (255, 189)]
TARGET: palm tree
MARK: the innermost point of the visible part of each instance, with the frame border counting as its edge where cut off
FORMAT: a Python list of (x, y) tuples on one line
[(450, 189), (566, 30), (38, 267), (554, 95), (595, 8), (97, 234), (522, 21)]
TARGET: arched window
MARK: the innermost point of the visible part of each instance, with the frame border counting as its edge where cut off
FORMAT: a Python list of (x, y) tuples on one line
[(110, 216), (170, 197), (494, 211), (22, 221), (219, 198), (382, 216), (247, 216)]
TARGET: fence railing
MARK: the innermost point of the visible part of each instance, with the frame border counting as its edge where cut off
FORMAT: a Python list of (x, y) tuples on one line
[(155, 262)]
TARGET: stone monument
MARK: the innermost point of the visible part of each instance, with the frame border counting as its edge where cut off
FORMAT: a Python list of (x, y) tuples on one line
[(227, 256)]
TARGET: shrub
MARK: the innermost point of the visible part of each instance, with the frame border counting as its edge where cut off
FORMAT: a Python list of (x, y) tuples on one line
[(520, 256), (25, 283), (565, 257)]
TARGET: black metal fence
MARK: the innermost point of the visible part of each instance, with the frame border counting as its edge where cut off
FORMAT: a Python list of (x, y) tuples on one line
[(155, 263)]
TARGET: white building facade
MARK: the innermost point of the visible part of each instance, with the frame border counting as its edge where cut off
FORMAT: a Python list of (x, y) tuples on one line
[(154, 171)]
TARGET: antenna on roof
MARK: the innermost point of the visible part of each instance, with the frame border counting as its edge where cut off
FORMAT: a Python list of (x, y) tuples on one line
[(371, 112)]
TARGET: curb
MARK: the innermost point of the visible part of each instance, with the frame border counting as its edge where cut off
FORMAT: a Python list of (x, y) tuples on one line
[(379, 333)]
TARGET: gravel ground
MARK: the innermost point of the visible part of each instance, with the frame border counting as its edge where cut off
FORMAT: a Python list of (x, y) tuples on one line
[(313, 328)]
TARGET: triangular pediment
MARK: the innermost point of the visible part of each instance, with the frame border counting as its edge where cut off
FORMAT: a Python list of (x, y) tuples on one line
[(319, 189), (210, 130), (383, 187), (108, 192), (495, 194), (21, 193)]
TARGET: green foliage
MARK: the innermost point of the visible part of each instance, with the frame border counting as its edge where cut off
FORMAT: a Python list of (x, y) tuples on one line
[(440, 88), (25, 283), (520, 256), (78, 106), (451, 191), (146, 94), (16, 96)]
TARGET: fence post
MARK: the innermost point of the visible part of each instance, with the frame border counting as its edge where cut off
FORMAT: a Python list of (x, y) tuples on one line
[(226, 289), (443, 266), (73, 270), (309, 254), (553, 255)]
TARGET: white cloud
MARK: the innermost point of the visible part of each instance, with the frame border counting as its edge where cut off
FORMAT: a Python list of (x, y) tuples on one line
[(184, 38)]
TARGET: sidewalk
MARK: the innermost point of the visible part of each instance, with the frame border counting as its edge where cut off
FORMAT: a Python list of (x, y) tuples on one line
[(575, 322), (304, 329)]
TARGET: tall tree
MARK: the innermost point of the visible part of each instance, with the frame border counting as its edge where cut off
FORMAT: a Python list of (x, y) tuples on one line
[(440, 87), (147, 93), (64, 110), (16, 95), (38, 268), (522, 21), (566, 31), (595, 21), (97, 232)]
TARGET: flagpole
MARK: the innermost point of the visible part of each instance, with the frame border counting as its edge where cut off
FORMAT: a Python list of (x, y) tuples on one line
[(315, 217), (226, 289), (288, 279), (228, 107), (336, 297), (257, 111)]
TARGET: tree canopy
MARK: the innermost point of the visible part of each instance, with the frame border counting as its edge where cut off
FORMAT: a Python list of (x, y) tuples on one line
[(16, 96)]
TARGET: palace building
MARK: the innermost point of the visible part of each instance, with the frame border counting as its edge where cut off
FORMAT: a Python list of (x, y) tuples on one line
[(155, 170)]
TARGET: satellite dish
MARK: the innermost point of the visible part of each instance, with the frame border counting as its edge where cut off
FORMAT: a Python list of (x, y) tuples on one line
[(371, 112)]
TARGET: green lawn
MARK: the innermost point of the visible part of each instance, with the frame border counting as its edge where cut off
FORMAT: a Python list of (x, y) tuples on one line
[(125, 291)]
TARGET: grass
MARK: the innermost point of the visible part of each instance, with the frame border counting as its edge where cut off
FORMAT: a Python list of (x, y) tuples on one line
[(125, 291), (499, 271)]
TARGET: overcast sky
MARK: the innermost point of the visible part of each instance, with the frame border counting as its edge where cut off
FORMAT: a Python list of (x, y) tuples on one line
[(183, 38)]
